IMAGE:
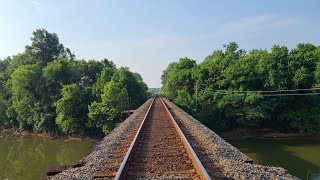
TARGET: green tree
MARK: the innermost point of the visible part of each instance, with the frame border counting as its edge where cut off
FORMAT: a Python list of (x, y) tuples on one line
[(104, 77), (18, 60), (106, 114), (135, 87), (303, 61), (243, 110), (45, 89), (277, 70), (232, 88), (3, 102), (3, 115), (185, 101), (317, 74), (72, 109), (46, 47), (86, 73), (3, 94), (178, 76), (167, 72), (56, 74), (26, 97), (245, 73)]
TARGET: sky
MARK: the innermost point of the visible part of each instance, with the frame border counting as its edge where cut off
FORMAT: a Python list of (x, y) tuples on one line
[(147, 35)]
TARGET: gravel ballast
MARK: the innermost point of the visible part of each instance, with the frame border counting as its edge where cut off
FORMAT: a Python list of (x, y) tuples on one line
[(230, 160), (99, 156)]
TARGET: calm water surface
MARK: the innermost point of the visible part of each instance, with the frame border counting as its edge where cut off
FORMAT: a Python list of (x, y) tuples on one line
[(299, 157), (29, 157)]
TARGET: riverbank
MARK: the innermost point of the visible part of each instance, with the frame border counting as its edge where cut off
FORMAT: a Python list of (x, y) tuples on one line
[(24, 133), (266, 134)]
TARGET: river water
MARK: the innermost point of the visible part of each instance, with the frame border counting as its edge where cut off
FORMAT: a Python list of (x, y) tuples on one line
[(300, 157), (28, 158)]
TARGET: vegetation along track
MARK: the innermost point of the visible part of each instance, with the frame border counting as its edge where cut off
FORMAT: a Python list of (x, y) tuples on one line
[(159, 150)]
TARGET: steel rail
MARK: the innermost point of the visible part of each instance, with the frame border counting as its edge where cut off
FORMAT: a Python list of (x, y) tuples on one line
[(124, 163), (121, 173), (195, 160)]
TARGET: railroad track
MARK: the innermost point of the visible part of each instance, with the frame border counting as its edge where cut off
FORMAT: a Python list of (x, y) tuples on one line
[(159, 150)]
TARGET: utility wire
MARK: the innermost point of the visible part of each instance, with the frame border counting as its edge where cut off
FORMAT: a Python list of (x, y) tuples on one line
[(270, 95), (225, 92), (273, 91), (307, 94), (263, 91)]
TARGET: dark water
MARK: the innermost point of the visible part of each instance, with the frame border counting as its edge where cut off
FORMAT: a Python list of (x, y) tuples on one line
[(300, 157), (29, 157)]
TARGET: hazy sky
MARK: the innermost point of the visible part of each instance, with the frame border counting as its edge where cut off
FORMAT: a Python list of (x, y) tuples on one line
[(147, 35)]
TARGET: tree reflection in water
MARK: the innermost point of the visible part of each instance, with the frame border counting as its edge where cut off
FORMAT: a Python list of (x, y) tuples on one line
[(29, 157)]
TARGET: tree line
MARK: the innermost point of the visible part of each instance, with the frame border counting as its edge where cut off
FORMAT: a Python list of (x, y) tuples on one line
[(45, 89), (231, 88)]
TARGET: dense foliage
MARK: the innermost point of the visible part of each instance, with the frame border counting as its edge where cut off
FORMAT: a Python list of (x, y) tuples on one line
[(45, 89), (261, 89)]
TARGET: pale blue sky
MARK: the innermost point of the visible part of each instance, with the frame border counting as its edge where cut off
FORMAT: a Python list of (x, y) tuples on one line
[(147, 35)]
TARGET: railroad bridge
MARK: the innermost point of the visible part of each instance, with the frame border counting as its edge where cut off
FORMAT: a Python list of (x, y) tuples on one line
[(161, 141)]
